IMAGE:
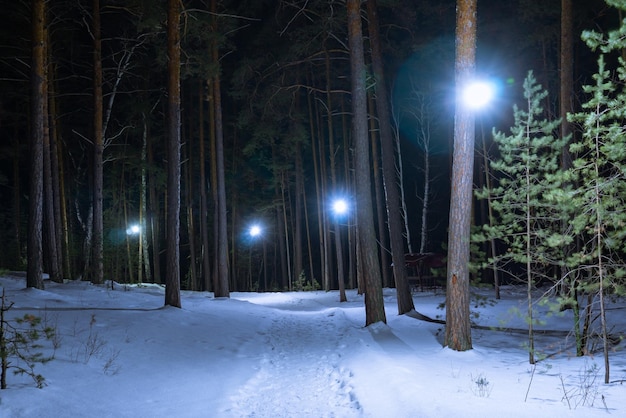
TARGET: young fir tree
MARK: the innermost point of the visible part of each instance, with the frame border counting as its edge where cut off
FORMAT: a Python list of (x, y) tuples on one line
[(526, 216), (599, 169)]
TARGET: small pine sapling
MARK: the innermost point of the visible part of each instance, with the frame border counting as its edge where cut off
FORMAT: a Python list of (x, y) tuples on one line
[(22, 344)]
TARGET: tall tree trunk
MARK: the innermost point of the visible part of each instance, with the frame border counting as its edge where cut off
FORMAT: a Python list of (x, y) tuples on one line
[(222, 230), (55, 162), (333, 179), (153, 212), (172, 279), (390, 174), (378, 193), (34, 269), (374, 303), (50, 247), (348, 175), (17, 196), (298, 268), (316, 177), (143, 204), (458, 331), (98, 150), (204, 211), (188, 153)]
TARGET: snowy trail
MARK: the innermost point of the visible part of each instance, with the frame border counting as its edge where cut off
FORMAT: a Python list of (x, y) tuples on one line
[(298, 346)]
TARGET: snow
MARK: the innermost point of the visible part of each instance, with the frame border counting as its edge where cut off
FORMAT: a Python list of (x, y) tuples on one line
[(120, 353)]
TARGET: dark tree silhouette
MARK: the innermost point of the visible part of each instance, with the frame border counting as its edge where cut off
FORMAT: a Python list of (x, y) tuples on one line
[(172, 279), (374, 304)]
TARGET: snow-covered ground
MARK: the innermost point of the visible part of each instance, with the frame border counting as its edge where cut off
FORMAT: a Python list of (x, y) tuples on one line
[(120, 353)]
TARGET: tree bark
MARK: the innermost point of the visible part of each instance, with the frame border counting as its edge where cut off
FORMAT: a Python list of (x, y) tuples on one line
[(204, 211), (222, 230), (390, 174), (98, 150), (34, 269), (458, 332), (172, 279), (374, 303)]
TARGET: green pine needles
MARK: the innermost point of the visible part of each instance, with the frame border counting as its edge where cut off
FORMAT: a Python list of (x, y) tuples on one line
[(527, 214), (20, 345), (566, 225)]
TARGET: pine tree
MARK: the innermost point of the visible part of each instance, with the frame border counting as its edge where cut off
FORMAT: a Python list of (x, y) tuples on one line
[(600, 222), (527, 213)]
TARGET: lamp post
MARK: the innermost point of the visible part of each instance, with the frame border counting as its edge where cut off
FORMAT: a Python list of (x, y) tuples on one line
[(135, 229), (340, 208), (256, 232)]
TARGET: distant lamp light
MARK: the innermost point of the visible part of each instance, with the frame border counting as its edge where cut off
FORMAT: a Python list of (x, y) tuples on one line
[(255, 230), (340, 207), (133, 230), (478, 94)]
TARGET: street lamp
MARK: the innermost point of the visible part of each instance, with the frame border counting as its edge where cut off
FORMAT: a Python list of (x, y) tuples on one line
[(477, 94), (255, 231), (135, 229), (340, 208)]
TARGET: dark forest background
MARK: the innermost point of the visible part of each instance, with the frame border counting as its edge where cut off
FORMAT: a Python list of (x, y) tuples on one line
[(285, 73)]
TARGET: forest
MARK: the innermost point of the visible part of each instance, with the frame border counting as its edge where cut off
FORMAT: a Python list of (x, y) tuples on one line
[(274, 109)]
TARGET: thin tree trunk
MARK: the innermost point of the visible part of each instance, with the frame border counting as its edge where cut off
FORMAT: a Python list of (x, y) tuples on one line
[(55, 169), (222, 230), (143, 206), (333, 180), (17, 196), (492, 241), (34, 269), (191, 227), (172, 279), (298, 269), (379, 194), (351, 182), (98, 150), (316, 178), (153, 213), (204, 211), (374, 303)]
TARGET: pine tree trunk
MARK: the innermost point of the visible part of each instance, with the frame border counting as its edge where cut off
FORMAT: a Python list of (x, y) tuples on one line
[(34, 270), (379, 195), (172, 279), (153, 213), (191, 227), (390, 175), (143, 205), (50, 230), (374, 303), (204, 211), (222, 231), (98, 150), (55, 162), (458, 331)]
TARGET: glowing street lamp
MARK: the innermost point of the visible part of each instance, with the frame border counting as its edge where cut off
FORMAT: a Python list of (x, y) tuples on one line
[(133, 230), (340, 206), (255, 230), (478, 94)]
